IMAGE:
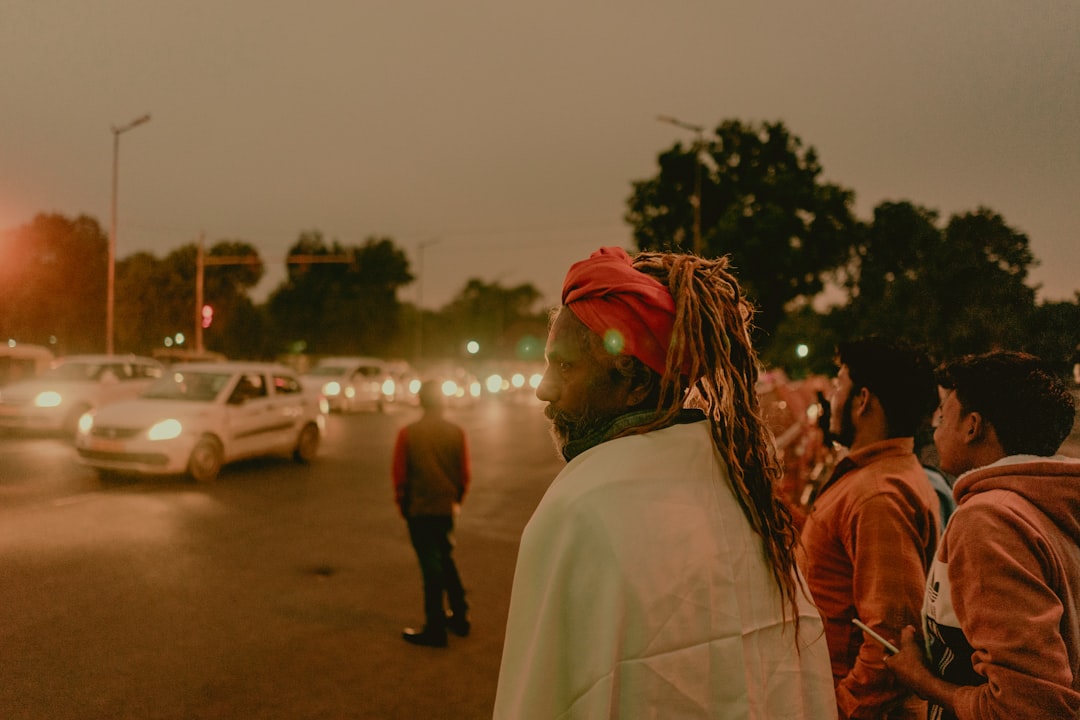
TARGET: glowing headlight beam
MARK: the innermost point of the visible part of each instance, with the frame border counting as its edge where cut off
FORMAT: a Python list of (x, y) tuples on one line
[(49, 398), (165, 430)]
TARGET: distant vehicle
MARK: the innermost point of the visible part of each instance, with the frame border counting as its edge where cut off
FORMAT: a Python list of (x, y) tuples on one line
[(201, 416), (514, 381), (171, 356), (459, 386), (75, 384), (351, 383), (22, 362), (406, 381)]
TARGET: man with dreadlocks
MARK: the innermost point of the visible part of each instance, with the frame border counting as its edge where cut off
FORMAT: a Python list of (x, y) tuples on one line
[(657, 576)]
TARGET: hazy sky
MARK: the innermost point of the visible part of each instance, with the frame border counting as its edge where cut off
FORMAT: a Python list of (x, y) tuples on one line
[(507, 134)]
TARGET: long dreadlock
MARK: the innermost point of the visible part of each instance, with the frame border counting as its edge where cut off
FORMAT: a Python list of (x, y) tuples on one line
[(711, 339)]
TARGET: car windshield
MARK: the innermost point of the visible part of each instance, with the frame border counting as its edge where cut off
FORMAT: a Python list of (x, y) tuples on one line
[(190, 385), (327, 370), (76, 371)]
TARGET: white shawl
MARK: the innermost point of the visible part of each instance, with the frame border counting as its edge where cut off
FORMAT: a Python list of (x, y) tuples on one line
[(641, 592)]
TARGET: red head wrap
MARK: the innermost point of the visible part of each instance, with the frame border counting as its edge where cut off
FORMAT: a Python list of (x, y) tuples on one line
[(633, 312)]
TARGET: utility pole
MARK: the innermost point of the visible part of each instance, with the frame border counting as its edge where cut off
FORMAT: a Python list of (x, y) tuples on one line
[(110, 283)]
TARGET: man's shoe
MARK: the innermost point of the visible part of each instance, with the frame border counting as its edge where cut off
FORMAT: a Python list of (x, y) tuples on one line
[(458, 624), (425, 637)]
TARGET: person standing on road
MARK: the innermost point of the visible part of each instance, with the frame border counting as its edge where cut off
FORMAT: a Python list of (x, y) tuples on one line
[(874, 524), (431, 475), (657, 577), (1001, 615)]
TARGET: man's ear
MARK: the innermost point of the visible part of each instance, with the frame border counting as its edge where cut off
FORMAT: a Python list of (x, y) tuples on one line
[(976, 429), (863, 399), (642, 386)]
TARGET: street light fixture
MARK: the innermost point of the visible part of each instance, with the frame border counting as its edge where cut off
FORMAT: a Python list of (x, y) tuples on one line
[(111, 284), (699, 143)]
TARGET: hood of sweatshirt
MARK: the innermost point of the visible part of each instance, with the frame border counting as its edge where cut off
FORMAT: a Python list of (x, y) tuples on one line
[(1052, 484)]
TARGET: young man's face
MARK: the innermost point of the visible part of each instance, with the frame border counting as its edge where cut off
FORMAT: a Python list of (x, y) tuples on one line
[(841, 426), (578, 385), (950, 429)]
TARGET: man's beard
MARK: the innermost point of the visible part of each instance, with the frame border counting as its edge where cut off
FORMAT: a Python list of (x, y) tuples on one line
[(567, 428)]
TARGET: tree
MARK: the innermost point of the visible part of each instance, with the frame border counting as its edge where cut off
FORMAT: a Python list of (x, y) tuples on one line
[(955, 290), (498, 318), (155, 299), (238, 327), (53, 275), (763, 202), (340, 307), (1055, 332)]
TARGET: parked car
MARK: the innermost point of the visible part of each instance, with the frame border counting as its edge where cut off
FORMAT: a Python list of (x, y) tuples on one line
[(351, 383), (22, 361), (201, 416), (55, 400)]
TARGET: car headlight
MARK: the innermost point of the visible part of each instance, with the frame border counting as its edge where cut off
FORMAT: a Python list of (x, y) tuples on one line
[(165, 430), (49, 398), (86, 423), (388, 387), (331, 388)]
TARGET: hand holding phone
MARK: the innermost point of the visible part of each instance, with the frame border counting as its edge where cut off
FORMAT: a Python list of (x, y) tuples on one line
[(884, 643)]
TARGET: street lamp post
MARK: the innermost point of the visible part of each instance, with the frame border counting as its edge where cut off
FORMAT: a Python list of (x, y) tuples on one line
[(111, 283), (699, 143)]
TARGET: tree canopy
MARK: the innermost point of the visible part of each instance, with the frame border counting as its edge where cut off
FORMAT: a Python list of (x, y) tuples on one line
[(763, 202), (504, 321), (340, 300), (955, 290), (53, 283), (156, 298)]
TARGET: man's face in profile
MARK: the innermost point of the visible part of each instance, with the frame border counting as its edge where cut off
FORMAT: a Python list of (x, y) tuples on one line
[(841, 425), (579, 383)]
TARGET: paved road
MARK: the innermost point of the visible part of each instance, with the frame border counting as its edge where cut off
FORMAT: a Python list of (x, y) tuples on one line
[(278, 592)]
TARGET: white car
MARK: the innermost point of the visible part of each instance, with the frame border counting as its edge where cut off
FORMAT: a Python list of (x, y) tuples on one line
[(75, 384), (200, 416), (351, 383)]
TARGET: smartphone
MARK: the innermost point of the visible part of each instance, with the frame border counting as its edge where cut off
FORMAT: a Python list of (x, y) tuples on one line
[(884, 643)]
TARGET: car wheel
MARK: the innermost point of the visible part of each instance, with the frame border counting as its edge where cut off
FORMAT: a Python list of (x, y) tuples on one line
[(205, 462), (307, 444)]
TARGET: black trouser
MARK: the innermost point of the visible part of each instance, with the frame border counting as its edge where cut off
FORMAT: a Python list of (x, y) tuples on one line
[(430, 535)]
